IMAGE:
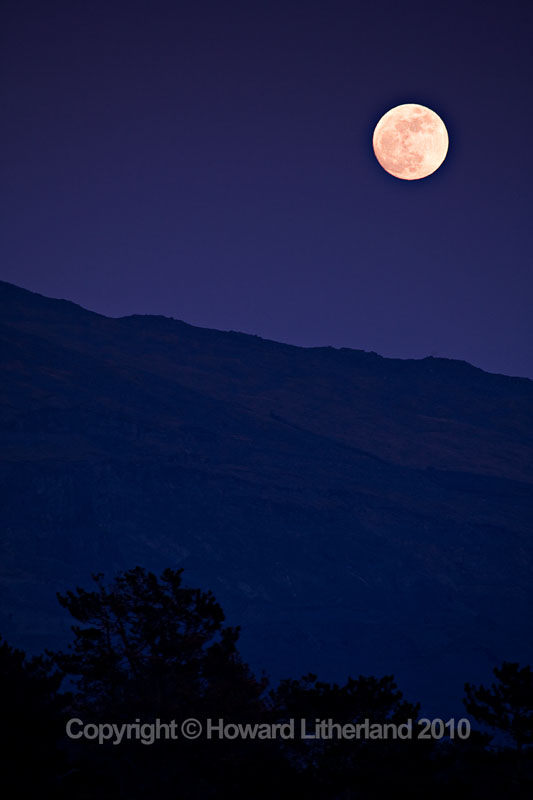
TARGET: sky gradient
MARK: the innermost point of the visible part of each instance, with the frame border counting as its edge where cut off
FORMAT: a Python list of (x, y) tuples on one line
[(213, 162)]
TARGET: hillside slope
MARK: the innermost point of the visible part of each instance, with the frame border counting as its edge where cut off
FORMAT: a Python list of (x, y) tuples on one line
[(354, 513)]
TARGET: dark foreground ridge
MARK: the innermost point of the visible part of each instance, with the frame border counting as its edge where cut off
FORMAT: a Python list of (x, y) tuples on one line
[(356, 514)]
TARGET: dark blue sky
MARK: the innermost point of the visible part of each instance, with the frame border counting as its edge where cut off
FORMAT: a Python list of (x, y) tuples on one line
[(212, 161)]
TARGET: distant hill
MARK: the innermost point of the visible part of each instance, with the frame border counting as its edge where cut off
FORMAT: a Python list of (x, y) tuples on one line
[(355, 514)]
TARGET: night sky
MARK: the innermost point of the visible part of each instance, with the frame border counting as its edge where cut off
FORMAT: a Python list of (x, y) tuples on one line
[(212, 161)]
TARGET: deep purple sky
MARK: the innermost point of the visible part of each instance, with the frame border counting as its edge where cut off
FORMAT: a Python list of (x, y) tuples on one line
[(212, 161)]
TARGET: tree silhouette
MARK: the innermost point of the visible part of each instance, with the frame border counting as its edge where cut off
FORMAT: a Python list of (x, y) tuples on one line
[(342, 767), (506, 706), (33, 718), (154, 642), (149, 648)]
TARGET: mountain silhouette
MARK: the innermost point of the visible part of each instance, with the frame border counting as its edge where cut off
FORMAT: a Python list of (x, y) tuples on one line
[(355, 514)]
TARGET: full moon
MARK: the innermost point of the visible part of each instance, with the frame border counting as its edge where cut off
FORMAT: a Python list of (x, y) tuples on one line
[(410, 141)]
